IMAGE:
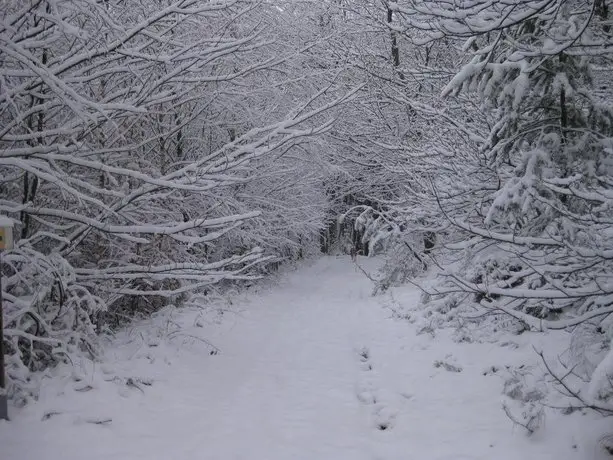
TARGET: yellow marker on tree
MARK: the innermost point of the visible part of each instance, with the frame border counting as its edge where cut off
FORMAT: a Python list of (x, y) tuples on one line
[(6, 234)]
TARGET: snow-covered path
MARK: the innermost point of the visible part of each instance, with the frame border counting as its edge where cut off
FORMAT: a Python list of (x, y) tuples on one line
[(314, 369)]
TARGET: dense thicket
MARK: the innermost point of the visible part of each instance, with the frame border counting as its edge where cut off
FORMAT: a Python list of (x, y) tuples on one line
[(526, 206), (147, 150), (537, 223)]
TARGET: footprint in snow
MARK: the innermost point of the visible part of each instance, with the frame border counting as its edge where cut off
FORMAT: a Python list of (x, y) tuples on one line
[(367, 397), (383, 418)]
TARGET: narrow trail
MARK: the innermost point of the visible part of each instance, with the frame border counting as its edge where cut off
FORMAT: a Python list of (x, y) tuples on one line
[(314, 369)]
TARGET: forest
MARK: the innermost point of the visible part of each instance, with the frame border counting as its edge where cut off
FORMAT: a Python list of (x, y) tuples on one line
[(165, 152)]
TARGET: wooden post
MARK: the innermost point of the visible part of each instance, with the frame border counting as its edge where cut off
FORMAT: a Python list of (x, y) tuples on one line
[(6, 242)]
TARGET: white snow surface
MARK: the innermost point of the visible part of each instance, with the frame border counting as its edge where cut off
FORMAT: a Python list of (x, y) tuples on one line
[(309, 367)]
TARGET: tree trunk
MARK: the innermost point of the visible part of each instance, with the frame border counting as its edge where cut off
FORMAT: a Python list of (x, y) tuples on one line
[(395, 49)]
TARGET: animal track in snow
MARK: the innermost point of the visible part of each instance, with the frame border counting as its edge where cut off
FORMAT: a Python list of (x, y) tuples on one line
[(369, 394)]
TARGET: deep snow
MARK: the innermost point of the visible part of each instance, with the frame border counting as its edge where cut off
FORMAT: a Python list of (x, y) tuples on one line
[(312, 367)]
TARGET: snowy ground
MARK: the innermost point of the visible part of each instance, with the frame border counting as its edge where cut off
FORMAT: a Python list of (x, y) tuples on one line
[(312, 368)]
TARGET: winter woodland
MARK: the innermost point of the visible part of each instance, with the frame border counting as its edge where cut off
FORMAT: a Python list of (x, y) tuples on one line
[(163, 152)]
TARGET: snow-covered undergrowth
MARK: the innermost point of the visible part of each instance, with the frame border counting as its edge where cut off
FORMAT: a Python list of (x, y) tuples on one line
[(309, 367), (553, 375)]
